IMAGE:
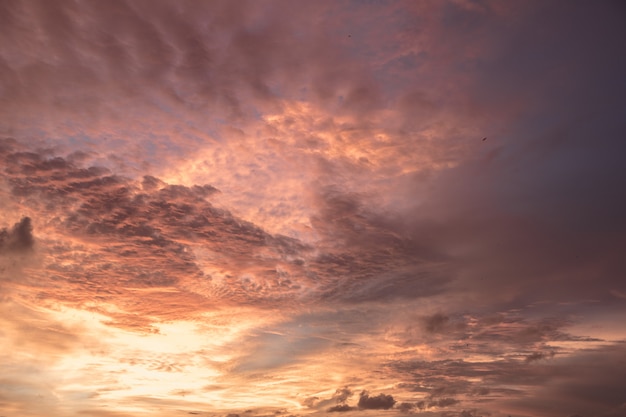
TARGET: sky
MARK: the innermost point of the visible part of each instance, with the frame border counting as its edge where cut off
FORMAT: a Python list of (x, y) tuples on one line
[(312, 208)]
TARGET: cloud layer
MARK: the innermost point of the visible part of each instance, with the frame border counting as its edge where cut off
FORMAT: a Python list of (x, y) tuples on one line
[(279, 208)]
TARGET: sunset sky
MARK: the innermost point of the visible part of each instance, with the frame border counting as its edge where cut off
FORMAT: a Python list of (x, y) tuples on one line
[(312, 208)]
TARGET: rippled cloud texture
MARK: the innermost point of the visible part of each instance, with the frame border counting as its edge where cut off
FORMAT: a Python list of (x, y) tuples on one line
[(355, 208)]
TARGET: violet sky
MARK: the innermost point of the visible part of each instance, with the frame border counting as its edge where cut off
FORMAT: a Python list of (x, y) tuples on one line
[(312, 208)]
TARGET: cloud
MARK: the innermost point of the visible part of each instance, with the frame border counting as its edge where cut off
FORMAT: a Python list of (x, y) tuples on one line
[(582, 382), (271, 351), (436, 323), (147, 233), (17, 252), (19, 238), (310, 401), (137, 225), (379, 402), (376, 260), (191, 59), (406, 407), (163, 54), (308, 185), (535, 356), (443, 402), (342, 395), (340, 408)]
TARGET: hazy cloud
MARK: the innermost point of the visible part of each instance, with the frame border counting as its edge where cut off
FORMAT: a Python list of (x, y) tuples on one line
[(443, 402), (342, 395)]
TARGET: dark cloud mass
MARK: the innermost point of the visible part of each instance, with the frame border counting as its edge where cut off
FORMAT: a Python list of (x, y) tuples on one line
[(436, 323), (232, 208), (378, 402), (19, 238)]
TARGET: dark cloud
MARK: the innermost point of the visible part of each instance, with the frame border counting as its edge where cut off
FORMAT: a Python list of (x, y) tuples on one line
[(341, 408), (378, 402), (406, 407), (535, 356), (583, 381), (436, 323), (19, 238)]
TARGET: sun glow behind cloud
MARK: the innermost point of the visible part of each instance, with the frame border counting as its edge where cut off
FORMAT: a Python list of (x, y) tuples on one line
[(179, 359)]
